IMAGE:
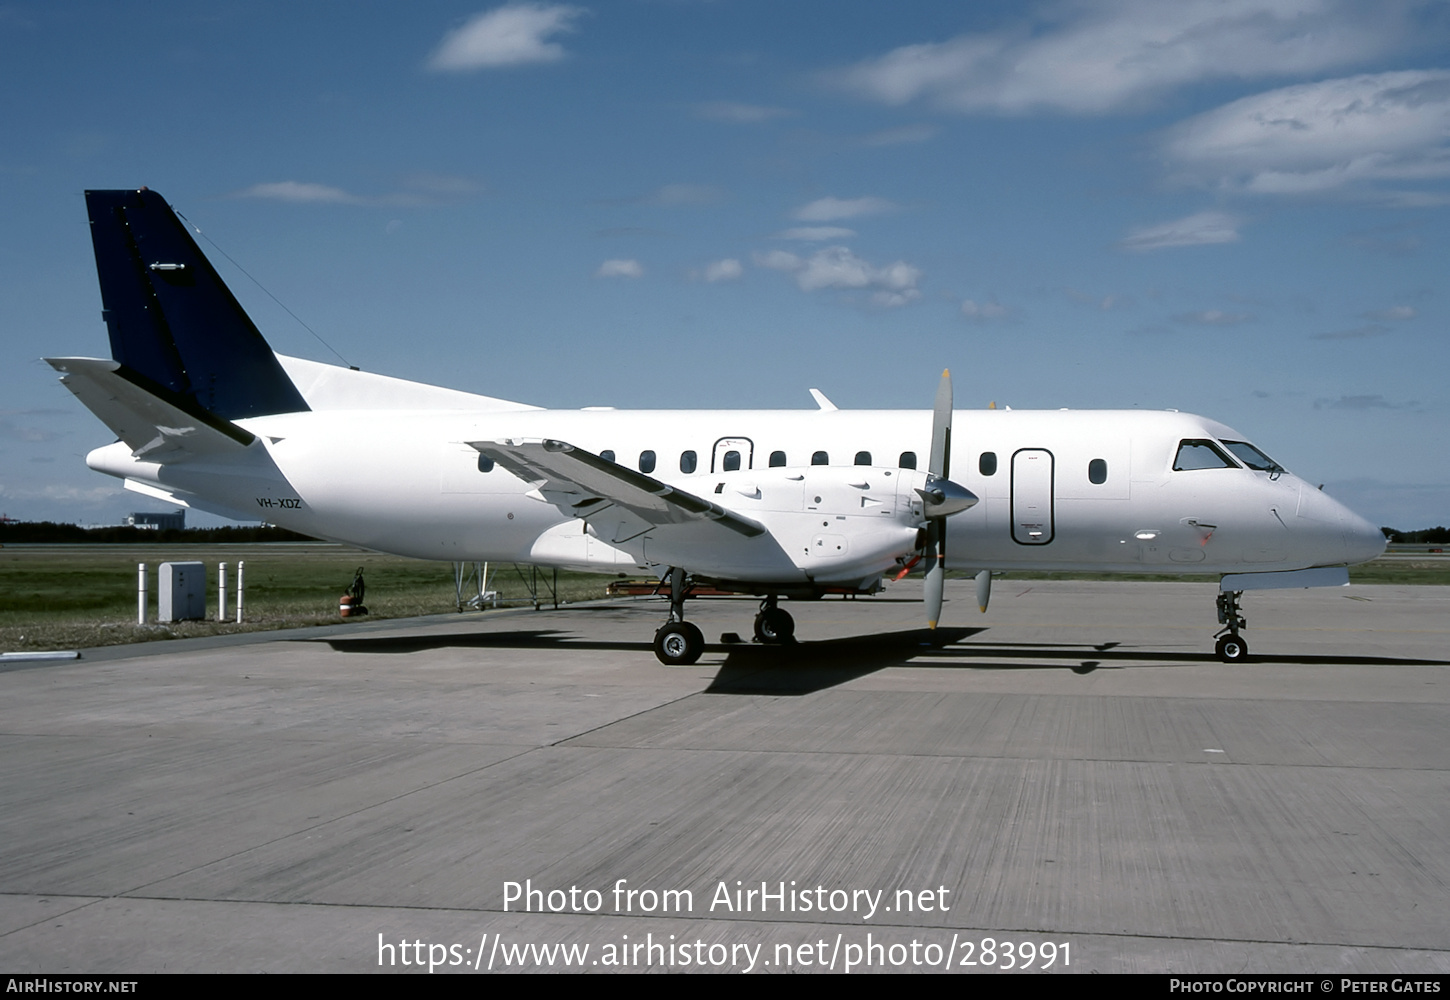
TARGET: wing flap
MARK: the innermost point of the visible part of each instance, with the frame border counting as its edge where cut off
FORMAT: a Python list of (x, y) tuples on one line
[(157, 424), (583, 484)]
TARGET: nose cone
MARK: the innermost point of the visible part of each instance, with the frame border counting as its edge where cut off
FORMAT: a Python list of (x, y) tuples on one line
[(1361, 540), (942, 497)]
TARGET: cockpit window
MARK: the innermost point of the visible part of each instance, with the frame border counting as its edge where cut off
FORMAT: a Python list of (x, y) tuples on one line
[(1252, 457), (1200, 454)]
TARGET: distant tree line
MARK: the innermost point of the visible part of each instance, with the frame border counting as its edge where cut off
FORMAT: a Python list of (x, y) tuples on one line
[(1434, 536), (52, 533)]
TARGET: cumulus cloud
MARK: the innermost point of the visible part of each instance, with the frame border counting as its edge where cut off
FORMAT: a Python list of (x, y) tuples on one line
[(421, 188), (1367, 402), (1357, 333), (1212, 317), (299, 192), (620, 269), (1194, 230), (1393, 312), (1085, 58), (515, 35), (740, 114), (837, 267), (723, 270), (983, 312), (1317, 137), (830, 209), (815, 234)]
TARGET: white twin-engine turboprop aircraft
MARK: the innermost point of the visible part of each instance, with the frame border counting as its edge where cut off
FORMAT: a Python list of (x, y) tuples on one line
[(777, 504)]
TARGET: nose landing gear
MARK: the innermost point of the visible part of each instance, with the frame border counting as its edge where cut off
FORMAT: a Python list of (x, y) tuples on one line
[(1231, 647)]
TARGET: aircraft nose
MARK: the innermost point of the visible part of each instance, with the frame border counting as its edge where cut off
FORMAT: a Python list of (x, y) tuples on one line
[(1362, 540)]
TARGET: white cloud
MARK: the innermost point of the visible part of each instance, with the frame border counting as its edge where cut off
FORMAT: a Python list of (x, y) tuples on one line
[(741, 114), (515, 35), (1085, 58), (1195, 230), (675, 195), (1212, 317), (723, 270), (838, 267), (298, 191), (620, 269), (815, 234), (982, 312), (1316, 137), (1393, 312), (829, 209)]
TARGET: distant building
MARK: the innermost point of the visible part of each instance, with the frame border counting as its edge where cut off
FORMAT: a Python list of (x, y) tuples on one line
[(157, 522)]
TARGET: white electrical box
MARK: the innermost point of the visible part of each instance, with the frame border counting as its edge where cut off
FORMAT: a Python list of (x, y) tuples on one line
[(181, 591)]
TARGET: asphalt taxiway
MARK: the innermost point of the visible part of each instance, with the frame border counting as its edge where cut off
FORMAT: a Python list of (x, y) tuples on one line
[(1073, 769)]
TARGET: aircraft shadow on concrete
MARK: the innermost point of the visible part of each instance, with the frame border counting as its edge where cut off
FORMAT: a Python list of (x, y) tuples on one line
[(805, 667)]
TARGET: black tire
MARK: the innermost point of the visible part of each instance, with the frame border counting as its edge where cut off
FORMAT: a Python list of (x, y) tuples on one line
[(679, 644), (1232, 649), (774, 625)]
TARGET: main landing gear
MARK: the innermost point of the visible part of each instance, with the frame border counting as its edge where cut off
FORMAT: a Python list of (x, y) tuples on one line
[(1231, 647), (678, 643), (774, 624)]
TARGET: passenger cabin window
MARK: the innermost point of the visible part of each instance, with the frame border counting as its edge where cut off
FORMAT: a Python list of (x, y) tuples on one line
[(863, 458), (731, 462), (907, 461), (607, 454), (687, 462), (820, 458), (485, 464), (1197, 454), (777, 460), (1252, 457), (646, 461), (1097, 472), (987, 464)]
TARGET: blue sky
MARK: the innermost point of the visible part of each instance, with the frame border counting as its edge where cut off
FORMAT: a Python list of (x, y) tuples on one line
[(1232, 208)]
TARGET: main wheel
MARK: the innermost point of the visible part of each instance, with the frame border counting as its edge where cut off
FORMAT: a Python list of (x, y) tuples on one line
[(774, 625), (1232, 649), (679, 644)]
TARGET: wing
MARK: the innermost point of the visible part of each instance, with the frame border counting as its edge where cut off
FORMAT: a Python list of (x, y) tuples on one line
[(582, 484)]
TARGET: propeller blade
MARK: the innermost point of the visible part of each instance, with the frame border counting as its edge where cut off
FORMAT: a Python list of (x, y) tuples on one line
[(984, 588), (935, 581), (941, 429)]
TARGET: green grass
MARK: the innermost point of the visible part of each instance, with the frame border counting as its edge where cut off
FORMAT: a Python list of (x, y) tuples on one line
[(74, 596)]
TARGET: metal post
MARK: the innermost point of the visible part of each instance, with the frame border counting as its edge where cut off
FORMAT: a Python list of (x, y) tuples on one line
[(140, 593), (241, 589), (221, 590)]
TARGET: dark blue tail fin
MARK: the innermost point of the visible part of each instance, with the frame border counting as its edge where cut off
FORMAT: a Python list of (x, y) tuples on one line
[(171, 318)]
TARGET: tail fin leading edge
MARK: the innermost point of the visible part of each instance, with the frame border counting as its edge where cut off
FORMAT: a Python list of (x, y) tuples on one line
[(171, 318)]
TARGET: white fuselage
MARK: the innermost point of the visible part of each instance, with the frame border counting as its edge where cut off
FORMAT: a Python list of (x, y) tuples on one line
[(1059, 490)]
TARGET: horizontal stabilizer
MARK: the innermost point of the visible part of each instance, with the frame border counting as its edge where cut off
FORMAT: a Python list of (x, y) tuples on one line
[(158, 425), (582, 484)]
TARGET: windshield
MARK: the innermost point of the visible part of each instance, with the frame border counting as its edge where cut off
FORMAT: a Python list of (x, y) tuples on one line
[(1195, 454), (1252, 457)]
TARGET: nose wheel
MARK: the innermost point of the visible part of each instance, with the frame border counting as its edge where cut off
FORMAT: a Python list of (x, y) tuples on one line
[(1231, 647)]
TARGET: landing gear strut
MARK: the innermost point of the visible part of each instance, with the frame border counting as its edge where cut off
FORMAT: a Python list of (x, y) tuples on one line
[(678, 643), (1231, 647), (772, 624)]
